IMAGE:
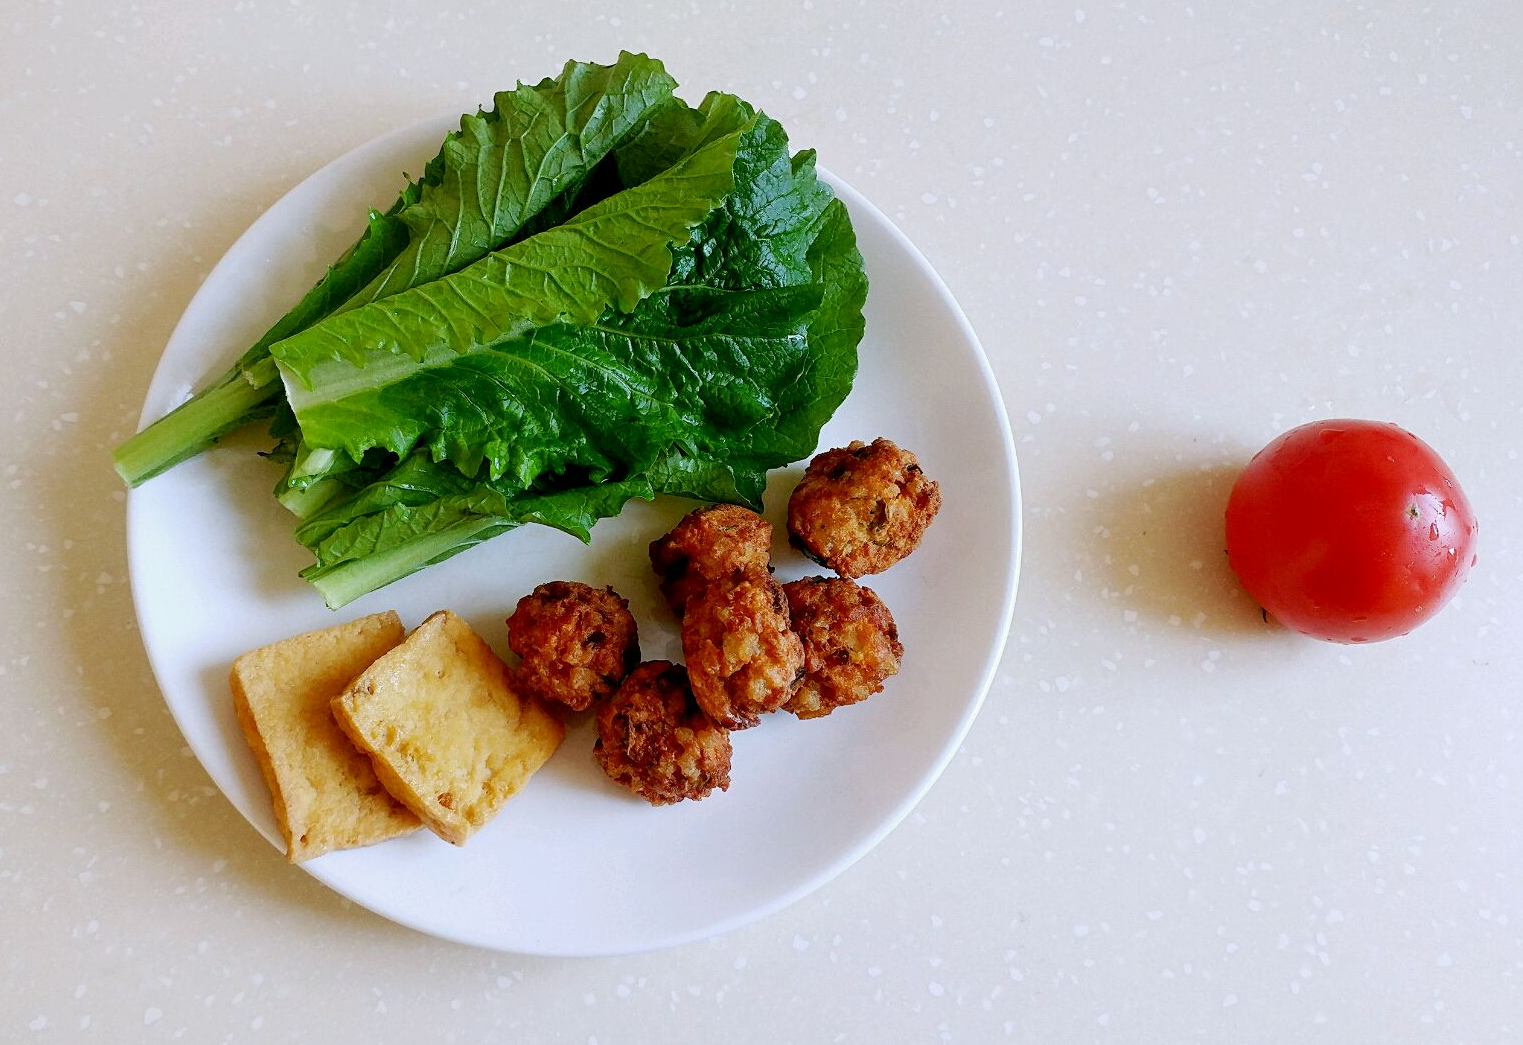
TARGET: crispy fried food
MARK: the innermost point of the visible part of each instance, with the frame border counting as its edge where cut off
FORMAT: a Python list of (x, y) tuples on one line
[(742, 658), (444, 728), (576, 643), (325, 794), (718, 544), (860, 509), (654, 740), (850, 643)]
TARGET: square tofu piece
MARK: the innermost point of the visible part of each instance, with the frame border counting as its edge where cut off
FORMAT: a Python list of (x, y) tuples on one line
[(325, 793), (446, 732)]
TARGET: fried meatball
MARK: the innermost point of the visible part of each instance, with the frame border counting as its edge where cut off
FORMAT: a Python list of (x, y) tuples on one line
[(653, 739), (860, 509), (850, 644), (720, 543), (742, 657), (576, 643)]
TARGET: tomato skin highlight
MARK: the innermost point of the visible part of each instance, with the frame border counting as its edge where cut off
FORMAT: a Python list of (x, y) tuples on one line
[(1351, 531)]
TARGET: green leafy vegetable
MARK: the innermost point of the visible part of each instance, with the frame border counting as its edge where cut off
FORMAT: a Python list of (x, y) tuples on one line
[(489, 179), (676, 313), (504, 167), (431, 359)]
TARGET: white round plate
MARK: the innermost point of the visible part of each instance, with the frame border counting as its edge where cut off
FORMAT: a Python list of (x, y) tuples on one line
[(574, 865)]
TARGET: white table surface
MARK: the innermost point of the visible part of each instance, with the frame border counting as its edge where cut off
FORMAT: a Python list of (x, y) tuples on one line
[(1179, 230)]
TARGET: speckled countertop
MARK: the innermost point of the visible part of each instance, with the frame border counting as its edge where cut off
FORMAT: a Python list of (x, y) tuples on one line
[(1179, 229)]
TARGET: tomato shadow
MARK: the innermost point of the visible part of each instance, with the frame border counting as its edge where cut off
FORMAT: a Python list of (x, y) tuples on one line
[(1161, 549)]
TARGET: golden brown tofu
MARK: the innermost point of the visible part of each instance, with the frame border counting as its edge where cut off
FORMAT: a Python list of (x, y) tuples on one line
[(325, 793), (446, 732)]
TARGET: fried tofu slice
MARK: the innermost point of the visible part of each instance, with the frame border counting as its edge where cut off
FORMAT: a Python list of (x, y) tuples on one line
[(444, 728), (325, 794)]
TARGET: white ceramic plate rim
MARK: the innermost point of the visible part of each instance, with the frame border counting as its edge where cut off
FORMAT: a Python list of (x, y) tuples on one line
[(861, 210)]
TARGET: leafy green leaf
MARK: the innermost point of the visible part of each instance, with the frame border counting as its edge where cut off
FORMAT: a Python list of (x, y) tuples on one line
[(435, 362), (504, 166), (409, 526)]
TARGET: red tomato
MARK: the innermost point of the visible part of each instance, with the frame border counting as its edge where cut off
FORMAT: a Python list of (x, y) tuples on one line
[(1353, 531)]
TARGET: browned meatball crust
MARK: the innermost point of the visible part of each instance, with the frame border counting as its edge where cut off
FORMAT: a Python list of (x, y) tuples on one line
[(850, 643), (862, 508), (576, 643), (654, 740), (718, 544), (742, 657)]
